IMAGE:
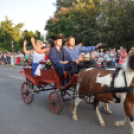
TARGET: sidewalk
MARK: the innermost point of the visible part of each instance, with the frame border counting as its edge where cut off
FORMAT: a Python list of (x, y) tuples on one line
[(12, 66)]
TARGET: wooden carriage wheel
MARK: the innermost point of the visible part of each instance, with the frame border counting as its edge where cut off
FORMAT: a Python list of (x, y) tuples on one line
[(26, 92), (89, 99), (55, 102)]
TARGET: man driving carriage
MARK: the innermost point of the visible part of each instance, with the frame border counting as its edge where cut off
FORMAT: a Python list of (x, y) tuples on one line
[(60, 58)]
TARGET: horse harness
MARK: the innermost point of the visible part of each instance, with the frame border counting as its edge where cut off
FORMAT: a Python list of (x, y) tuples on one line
[(115, 73), (114, 90)]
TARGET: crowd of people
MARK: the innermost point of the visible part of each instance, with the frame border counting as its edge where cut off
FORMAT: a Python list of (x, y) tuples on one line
[(109, 57), (12, 58)]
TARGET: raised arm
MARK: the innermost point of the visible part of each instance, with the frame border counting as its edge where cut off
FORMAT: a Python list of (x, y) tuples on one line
[(25, 49), (36, 48), (89, 48)]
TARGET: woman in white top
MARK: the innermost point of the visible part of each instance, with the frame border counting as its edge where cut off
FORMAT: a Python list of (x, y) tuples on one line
[(5, 57), (37, 57)]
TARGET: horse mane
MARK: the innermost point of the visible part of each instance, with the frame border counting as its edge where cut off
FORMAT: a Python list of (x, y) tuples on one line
[(128, 65)]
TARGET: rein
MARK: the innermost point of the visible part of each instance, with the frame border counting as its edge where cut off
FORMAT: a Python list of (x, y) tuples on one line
[(112, 90)]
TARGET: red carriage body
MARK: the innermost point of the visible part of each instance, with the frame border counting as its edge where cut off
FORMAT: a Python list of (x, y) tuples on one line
[(47, 77)]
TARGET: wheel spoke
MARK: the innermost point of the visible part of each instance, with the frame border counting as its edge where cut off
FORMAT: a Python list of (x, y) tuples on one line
[(58, 102), (57, 97), (24, 87), (52, 107), (58, 106), (28, 98), (52, 97), (25, 97)]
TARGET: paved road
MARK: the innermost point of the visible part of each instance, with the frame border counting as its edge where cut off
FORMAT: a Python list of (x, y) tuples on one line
[(16, 117)]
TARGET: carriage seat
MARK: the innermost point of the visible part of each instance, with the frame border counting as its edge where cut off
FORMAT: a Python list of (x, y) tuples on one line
[(42, 62)]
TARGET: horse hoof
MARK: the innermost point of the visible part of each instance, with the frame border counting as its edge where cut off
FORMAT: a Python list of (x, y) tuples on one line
[(109, 112), (104, 108), (75, 118), (116, 124), (102, 124)]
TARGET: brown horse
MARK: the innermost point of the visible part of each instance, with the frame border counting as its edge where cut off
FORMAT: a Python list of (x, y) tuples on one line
[(92, 81)]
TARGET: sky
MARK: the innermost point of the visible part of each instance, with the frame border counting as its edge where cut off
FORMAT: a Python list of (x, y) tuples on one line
[(33, 13)]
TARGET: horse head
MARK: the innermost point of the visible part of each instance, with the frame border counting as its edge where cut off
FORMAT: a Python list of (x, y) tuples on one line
[(131, 62), (128, 65)]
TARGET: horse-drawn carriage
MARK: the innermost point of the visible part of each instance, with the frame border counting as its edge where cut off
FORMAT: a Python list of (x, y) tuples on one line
[(49, 80)]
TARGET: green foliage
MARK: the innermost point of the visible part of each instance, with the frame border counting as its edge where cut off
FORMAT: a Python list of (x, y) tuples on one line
[(93, 21), (12, 32), (61, 25), (64, 3), (4, 51), (28, 34), (9, 32), (28, 48)]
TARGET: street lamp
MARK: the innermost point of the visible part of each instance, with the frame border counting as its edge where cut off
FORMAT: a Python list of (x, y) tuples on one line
[(12, 46)]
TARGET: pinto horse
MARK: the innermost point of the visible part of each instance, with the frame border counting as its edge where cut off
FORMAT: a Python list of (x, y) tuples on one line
[(93, 81)]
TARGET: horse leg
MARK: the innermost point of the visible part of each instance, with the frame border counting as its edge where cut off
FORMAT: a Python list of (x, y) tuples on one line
[(121, 123), (76, 103), (101, 121), (131, 123), (128, 106), (106, 107)]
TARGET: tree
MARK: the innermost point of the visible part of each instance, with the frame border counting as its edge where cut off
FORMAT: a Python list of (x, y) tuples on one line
[(63, 3), (9, 32), (61, 25), (93, 21)]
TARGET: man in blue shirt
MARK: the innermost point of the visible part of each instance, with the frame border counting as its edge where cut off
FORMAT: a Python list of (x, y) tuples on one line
[(60, 58), (75, 50)]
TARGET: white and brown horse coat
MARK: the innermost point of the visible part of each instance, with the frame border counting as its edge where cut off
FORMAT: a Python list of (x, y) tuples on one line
[(91, 81)]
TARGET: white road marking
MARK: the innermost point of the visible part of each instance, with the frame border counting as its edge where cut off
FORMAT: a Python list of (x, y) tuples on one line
[(16, 77)]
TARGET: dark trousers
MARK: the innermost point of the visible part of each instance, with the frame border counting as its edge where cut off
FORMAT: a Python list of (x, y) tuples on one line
[(84, 65), (60, 68)]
